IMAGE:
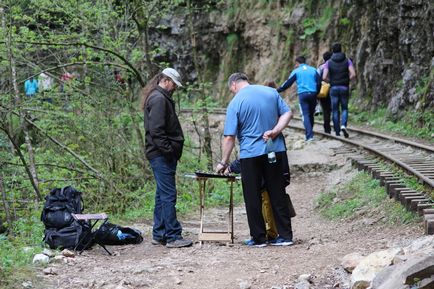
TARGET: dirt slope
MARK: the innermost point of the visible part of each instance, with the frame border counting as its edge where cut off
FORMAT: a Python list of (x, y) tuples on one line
[(319, 243)]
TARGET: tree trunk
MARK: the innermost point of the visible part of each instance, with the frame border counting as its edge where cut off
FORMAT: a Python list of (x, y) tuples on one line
[(30, 151), (5, 206)]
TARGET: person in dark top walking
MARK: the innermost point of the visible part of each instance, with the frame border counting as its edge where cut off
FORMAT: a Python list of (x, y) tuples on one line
[(339, 70), (308, 84), (325, 101), (164, 143)]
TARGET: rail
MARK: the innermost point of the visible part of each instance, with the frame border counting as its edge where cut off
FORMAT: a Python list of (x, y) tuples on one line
[(424, 178)]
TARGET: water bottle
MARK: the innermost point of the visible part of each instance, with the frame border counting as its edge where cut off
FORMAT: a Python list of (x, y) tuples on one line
[(120, 235), (270, 153)]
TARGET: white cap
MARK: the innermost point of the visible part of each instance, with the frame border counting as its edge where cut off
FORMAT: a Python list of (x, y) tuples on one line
[(174, 75)]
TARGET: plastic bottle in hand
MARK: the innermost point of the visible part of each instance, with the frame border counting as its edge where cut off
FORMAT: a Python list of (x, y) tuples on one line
[(270, 153)]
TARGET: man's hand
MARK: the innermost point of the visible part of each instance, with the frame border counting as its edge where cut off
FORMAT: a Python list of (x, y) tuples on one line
[(269, 134), (221, 168)]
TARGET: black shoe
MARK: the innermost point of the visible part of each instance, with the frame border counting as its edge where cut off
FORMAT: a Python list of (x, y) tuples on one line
[(344, 130), (158, 242)]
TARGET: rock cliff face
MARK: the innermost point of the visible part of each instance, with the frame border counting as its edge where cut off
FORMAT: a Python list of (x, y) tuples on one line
[(391, 43)]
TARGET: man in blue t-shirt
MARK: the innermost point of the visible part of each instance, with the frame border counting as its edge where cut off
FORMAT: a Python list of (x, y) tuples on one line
[(308, 84), (256, 114)]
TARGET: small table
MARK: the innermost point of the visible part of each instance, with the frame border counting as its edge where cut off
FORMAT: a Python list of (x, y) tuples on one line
[(225, 236), (89, 218)]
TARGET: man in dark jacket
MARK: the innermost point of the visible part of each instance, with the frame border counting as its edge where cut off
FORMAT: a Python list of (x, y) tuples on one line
[(339, 70), (164, 143)]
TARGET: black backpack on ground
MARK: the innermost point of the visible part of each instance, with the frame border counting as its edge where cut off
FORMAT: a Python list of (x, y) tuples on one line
[(111, 234), (61, 230), (59, 205), (69, 237)]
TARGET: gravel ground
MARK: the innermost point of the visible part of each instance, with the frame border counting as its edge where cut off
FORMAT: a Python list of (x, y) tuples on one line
[(319, 244)]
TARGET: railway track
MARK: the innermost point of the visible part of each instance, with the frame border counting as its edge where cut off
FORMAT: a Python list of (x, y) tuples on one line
[(414, 158), (371, 150)]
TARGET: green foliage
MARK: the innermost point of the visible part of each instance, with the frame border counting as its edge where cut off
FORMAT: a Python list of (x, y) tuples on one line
[(231, 40), (397, 214), (424, 86), (345, 21), (405, 125), (233, 8), (410, 182), (16, 252), (312, 25), (360, 196)]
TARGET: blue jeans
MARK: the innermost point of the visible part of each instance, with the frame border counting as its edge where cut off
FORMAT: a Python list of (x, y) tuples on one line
[(308, 103), (339, 96), (166, 226)]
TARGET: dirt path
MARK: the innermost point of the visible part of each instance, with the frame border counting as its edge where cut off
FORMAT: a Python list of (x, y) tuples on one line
[(319, 244)]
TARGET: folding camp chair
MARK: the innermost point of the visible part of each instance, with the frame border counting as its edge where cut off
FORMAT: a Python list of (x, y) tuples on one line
[(93, 219)]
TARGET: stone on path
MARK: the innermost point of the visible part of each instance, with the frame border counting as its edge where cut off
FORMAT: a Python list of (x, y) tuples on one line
[(425, 243), (302, 285), (304, 277), (401, 275), (350, 261), (27, 284), (369, 266), (48, 252), (68, 253), (49, 271), (41, 259), (244, 285)]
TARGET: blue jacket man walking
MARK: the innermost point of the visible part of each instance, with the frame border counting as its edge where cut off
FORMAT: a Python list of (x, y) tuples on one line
[(31, 87), (308, 84)]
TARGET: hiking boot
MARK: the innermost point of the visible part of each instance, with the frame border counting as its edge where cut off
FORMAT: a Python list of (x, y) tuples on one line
[(253, 243), (179, 243), (280, 241), (158, 242), (345, 132)]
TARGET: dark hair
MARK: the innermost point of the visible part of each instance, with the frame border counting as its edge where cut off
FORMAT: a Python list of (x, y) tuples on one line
[(270, 83), (327, 55), (337, 47), (237, 76), (150, 86), (300, 59)]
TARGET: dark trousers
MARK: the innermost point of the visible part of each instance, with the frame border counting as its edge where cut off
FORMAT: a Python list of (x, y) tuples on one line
[(308, 103), (253, 170), (326, 112), (166, 226), (339, 98)]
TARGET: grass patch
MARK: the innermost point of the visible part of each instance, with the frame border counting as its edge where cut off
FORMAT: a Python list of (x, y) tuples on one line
[(17, 251), (362, 195), (405, 125)]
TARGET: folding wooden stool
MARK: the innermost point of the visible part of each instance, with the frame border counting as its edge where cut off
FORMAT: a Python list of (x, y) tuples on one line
[(93, 219), (222, 236)]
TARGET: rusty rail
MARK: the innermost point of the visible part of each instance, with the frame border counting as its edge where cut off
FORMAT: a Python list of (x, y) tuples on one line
[(406, 167)]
